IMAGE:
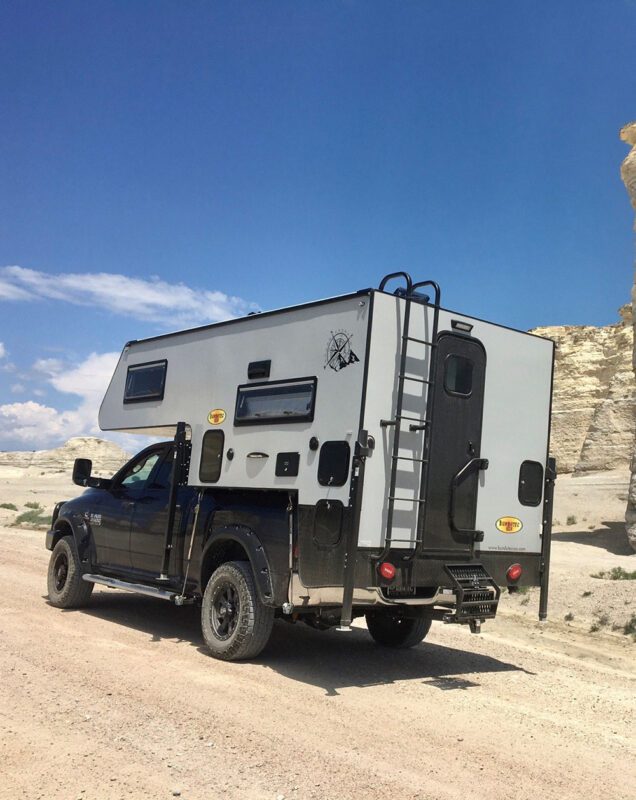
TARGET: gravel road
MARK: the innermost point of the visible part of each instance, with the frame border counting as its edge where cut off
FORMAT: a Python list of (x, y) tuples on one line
[(119, 700)]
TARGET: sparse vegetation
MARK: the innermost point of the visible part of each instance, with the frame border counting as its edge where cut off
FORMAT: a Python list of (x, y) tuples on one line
[(615, 574), (571, 520), (569, 617), (32, 504), (9, 506), (629, 629), (525, 601), (34, 517)]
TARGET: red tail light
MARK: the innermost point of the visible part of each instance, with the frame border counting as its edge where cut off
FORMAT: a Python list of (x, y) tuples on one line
[(514, 572), (387, 570)]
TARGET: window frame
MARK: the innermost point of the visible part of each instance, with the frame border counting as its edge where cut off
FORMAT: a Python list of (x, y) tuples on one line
[(451, 392), (282, 420), (163, 362)]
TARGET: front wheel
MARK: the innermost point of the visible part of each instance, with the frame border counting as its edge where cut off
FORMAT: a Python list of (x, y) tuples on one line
[(390, 630), (64, 579), (236, 624)]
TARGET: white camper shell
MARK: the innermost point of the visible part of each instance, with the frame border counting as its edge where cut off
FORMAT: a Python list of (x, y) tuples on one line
[(410, 442)]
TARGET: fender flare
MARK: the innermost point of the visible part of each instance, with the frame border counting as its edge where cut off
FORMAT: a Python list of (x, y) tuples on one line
[(79, 531), (249, 541)]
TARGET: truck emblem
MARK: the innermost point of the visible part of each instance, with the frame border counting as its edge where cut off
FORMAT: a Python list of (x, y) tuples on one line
[(216, 416), (339, 353), (509, 524)]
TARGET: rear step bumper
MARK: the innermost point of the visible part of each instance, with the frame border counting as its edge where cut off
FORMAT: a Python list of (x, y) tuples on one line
[(476, 592)]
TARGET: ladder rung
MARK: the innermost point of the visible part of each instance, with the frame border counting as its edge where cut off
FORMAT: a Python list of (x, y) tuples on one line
[(406, 499), (410, 541), (411, 378), (408, 458), (411, 419), (420, 341), (385, 423), (414, 428)]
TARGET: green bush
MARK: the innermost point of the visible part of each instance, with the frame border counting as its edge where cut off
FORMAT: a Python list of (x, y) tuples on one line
[(34, 518), (616, 574), (9, 506), (35, 506)]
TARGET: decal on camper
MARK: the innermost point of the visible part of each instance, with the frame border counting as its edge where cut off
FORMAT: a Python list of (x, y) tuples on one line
[(509, 524), (339, 353), (216, 416)]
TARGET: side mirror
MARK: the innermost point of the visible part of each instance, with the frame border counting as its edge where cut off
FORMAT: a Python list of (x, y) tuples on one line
[(82, 471)]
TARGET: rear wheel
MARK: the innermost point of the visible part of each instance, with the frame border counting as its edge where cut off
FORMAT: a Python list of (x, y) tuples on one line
[(391, 630), (236, 624), (64, 579)]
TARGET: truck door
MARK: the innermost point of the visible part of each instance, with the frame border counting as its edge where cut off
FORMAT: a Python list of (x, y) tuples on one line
[(112, 535), (150, 518), (458, 400)]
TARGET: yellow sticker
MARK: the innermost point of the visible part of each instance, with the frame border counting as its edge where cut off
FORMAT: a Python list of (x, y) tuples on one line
[(509, 524), (216, 416)]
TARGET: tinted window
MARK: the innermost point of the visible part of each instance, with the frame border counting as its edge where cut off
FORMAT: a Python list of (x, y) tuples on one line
[(530, 483), (145, 382), (287, 401), (140, 471), (211, 456), (458, 375)]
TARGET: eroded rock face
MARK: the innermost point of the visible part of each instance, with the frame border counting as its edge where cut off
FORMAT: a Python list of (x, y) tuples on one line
[(107, 457), (628, 176), (593, 423)]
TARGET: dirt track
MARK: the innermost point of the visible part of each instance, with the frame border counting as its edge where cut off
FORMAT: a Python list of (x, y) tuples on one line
[(120, 701)]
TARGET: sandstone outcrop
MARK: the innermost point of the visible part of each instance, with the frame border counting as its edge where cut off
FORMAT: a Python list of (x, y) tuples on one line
[(628, 176), (593, 423), (107, 457)]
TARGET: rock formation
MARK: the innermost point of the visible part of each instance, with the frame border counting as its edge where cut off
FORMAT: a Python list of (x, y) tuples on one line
[(107, 457), (628, 175), (593, 424)]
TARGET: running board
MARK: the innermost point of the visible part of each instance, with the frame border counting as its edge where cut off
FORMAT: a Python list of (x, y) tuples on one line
[(476, 592), (139, 588)]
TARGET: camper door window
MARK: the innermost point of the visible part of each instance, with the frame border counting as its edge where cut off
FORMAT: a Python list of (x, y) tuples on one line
[(458, 375), (145, 381), (284, 401)]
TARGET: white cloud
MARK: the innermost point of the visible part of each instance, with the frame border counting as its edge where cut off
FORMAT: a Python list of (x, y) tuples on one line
[(37, 424), (3, 350), (18, 388), (152, 300)]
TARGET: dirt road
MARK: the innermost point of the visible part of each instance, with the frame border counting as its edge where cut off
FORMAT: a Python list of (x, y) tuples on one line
[(120, 701)]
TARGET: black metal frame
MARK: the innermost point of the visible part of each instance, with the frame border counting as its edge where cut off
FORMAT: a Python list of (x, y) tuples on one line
[(308, 417), (180, 464), (546, 536)]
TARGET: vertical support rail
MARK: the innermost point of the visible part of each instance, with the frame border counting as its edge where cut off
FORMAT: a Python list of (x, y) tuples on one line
[(363, 446), (178, 463), (546, 537)]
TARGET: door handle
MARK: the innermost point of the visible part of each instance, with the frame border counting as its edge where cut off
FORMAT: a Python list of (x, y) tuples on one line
[(257, 455), (472, 466)]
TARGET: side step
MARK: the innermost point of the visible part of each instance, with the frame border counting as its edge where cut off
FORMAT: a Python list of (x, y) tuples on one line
[(477, 595), (139, 588)]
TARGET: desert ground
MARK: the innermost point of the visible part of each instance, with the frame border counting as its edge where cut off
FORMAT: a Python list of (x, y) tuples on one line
[(120, 700)]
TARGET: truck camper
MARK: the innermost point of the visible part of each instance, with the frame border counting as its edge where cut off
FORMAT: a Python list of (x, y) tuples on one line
[(373, 454)]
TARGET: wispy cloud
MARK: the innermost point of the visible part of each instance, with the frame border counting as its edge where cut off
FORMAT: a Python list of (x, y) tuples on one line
[(3, 351), (152, 300)]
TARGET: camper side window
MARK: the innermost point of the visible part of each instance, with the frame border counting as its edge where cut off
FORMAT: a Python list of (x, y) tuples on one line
[(145, 381), (285, 401), (211, 456), (458, 375)]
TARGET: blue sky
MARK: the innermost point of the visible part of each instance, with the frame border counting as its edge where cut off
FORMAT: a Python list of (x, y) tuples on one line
[(171, 163)]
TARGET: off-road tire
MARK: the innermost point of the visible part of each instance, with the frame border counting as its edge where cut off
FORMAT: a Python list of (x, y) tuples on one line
[(247, 633), (390, 630), (64, 578)]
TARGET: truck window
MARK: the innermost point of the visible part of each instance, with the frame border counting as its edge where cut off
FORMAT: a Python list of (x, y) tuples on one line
[(145, 382), (284, 401), (139, 472)]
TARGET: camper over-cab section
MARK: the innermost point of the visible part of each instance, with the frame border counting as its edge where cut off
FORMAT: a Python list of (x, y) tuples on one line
[(392, 455)]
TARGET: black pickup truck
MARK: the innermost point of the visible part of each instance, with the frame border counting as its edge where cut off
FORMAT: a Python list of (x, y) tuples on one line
[(114, 534)]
